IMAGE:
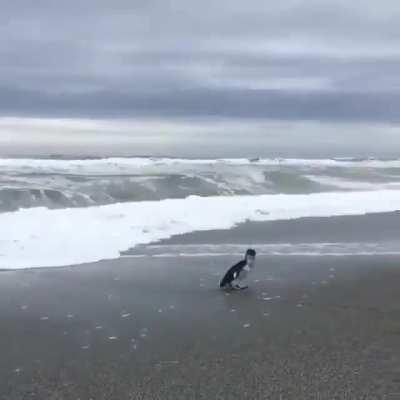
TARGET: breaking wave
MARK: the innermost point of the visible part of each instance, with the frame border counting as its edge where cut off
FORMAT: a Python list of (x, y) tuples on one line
[(26, 183)]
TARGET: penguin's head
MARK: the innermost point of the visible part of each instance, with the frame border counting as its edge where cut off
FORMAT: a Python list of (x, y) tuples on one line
[(250, 257)]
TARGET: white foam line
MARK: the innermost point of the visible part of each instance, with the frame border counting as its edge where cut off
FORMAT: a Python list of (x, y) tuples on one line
[(297, 249), (38, 237), (264, 245), (273, 253), (342, 183), (141, 162)]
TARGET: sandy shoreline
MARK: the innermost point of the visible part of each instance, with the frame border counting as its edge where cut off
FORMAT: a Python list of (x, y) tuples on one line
[(160, 329)]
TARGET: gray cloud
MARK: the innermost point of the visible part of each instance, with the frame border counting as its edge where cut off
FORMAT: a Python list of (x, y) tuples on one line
[(333, 61), (234, 103)]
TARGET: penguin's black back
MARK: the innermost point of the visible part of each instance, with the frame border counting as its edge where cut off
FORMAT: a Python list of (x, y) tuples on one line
[(232, 271)]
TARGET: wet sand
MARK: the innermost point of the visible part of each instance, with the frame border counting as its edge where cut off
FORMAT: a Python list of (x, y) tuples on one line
[(377, 227), (158, 328)]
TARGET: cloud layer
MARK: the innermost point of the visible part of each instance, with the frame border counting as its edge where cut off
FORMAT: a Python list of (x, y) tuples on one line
[(329, 61)]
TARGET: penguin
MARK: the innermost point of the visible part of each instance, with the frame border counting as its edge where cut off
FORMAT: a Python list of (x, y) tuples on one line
[(239, 272)]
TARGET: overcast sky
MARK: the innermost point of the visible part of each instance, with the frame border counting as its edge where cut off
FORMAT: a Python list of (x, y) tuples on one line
[(226, 77)]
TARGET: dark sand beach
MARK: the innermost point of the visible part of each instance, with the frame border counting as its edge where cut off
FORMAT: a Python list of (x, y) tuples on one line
[(159, 328)]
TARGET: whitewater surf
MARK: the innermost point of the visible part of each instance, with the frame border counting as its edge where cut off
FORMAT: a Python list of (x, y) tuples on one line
[(63, 212)]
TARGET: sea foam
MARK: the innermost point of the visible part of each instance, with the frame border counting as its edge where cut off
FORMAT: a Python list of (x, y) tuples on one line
[(121, 165), (39, 237)]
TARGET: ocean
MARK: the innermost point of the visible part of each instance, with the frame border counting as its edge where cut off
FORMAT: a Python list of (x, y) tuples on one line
[(56, 212)]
